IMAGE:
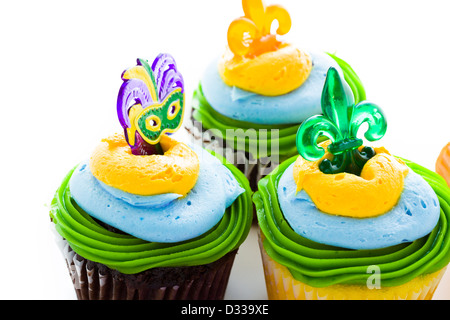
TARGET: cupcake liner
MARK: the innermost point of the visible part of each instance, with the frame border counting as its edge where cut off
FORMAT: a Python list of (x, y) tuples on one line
[(253, 169), (95, 281), (281, 285)]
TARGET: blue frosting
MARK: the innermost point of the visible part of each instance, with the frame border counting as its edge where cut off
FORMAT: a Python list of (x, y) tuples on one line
[(160, 218), (156, 201), (414, 216), (292, 107)]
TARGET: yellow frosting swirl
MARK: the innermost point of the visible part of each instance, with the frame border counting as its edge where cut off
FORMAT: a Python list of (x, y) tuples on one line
[(174, 172), (271, 73), (374, 192)]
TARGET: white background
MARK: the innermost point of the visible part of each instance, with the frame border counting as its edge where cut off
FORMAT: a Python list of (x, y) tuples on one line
[(61, 62)]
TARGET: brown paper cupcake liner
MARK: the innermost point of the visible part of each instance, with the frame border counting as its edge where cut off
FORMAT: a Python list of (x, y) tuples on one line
[(95, 281)]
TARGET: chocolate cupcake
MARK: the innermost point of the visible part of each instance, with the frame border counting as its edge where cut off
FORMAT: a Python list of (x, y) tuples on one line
[(147, 216)]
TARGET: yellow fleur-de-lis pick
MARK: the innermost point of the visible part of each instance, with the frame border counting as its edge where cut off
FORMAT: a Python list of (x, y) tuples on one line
[(250, 35)]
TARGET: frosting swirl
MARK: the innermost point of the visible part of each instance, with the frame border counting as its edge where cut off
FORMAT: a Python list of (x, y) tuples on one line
[(322, 265), (204, 112), (292, 107), (272, 73), (129, 254), (412, 217), (164, 217), (174, 172), (348, 194)]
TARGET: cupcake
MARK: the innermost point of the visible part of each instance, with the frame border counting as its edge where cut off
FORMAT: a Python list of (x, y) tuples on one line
[(252, 98), (347, 221), (443, 163), (148, 216)]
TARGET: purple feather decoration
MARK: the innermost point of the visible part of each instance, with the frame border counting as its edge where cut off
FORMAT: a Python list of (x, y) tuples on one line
[(165, 78)]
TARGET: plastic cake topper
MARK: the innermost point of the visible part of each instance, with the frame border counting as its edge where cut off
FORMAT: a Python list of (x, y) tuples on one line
[(340, 122), (150, 103), (250, 35)]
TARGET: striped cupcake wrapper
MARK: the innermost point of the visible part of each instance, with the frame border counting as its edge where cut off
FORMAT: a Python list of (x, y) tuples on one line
[(95, 281)]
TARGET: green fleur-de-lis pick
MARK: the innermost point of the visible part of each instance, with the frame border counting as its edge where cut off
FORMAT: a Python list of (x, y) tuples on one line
[(340, 122)]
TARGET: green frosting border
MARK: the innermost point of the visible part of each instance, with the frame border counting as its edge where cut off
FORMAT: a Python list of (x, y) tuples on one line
[(131, 255), (320, 265), (218, 124)]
